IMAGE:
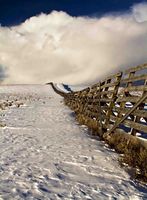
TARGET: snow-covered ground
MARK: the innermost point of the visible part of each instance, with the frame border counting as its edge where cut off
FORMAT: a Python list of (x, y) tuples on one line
[(45, 154)]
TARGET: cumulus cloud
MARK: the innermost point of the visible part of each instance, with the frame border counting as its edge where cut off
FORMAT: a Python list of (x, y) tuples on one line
[(74, 50), (140, 12)]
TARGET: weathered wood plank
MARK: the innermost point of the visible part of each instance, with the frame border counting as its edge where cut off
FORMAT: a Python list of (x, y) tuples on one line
[(132, 99), (106, 100), (93, 114), (123, 103), (107, 92), (132, 124), (139, 113), (134, 88), (95, 109), (110, 84), (137, 68), (135, 78), (114, 96)]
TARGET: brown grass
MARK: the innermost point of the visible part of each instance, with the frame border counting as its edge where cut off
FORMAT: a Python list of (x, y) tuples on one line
[(134, 152), (133, 149)]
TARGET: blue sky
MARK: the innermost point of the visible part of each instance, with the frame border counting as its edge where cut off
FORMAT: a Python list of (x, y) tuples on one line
[(13, 12)]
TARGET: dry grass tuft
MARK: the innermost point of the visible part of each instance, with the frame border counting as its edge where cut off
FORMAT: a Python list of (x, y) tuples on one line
[(134, 152)]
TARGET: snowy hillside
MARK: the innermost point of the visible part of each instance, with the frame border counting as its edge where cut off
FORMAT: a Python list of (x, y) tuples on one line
[(45, 154)]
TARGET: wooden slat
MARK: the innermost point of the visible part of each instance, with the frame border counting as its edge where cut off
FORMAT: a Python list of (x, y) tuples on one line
[(135, 78), (137, 68), (93, 90), (135, 88), (107, 92), (137, 126), (139, 113), (131, 124), (95, 109), (129, 84), (107, 100), (93, 114), (112, 103), (110, 84), (132, 99), (114, 96)]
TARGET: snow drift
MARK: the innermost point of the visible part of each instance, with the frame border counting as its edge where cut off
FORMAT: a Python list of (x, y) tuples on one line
[(52, 157)]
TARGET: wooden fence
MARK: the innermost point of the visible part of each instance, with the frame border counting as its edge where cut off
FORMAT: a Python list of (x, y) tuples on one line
[(119, 101)]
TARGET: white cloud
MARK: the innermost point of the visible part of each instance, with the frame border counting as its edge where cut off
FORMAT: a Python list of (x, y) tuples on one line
[(58, 47), (140, 12)]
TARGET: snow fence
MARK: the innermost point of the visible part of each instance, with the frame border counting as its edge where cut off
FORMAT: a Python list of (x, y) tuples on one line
[(114, 107)]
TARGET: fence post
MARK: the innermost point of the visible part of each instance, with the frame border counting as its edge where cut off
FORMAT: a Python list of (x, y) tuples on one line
[(113, 98), (100, 111), (128, 84)]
